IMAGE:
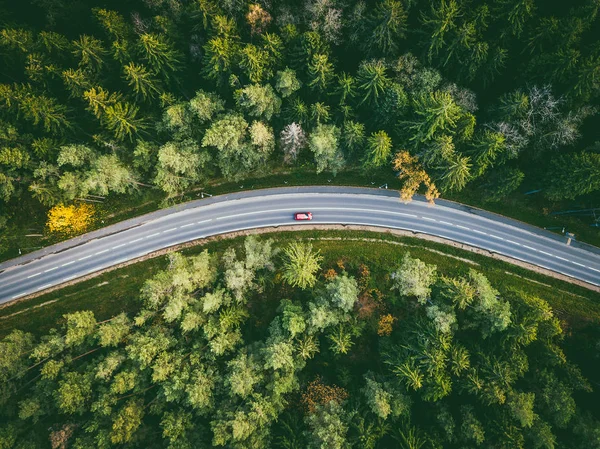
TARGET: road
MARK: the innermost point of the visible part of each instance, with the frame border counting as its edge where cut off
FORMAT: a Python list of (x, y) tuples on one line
[(330, 206)]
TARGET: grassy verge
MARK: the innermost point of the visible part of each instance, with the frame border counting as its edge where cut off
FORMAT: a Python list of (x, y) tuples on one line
[(116, 291)]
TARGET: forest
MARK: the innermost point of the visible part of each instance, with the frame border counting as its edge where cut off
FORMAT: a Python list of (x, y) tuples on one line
[(262, 346), (114, 97)]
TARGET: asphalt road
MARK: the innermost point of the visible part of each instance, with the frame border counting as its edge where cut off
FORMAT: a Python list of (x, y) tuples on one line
[(341, 206)]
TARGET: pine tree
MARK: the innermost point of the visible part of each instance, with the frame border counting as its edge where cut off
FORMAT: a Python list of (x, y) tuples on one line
[(141, 80), (122, 119)]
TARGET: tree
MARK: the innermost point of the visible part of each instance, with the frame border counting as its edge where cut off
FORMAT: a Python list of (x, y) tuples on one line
[(122, 119), (258, 19), (521, 407), (320, 72), (456, 174), (109, 174), (159, 53), (327, 427), (414, 278), (353, 138), (342, 292), (141, 80), (286, 82), (206, 105), (256, 62), (572, 175), (292, 139), (500, 183), (300, 264), (413, 175), (324, 143), (259, 101), (388, 25), (372, 80), (90, 52), (434, 113), (379, 145), (70, 220), (220, 56), (179, 165)]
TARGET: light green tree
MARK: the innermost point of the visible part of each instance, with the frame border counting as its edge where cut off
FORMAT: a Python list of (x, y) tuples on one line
[(259, 101), (324, 143), (300, 264)]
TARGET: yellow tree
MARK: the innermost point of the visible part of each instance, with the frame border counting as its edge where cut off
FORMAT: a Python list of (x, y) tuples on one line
[(412, 173), (73, 219)]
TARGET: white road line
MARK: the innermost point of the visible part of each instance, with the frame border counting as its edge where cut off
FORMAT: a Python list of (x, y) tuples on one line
[(136, 240), (86, 257), (16, 296), (463, 227), (43, 287), (497, 237), (203, 221), (594, 269), (153, 235), (529, 247), (427, 218), (34, 275), (119, 246), (169, 230), (514, 243), (562, 258), (407, 215), (102, 252), (189, 224), (198, 237), (68, 263), (544, 252), (480, 232), (69, 278), (580, 264), (446, 223), (51, 269)]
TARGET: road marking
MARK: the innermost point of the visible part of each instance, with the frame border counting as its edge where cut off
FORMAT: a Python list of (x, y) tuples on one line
[(16, 296), (514, 243), (497, 237), (463, 227), (34, 275), (446, 223), (152, 235), (69, 278), (544, 252), (189, 224), (479, 232), (198, 237), (136, 240), (593, 269), (203, 221), (86, 257), (119, 246), (407, 215), (580, 264), (102, 252), (169, 230), (427, 218), (68, 263), (51, 269), (562, 258), (529, 247), (43, 287)]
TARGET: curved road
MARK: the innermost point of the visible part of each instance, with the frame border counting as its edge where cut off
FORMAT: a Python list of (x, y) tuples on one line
[(275, 207)]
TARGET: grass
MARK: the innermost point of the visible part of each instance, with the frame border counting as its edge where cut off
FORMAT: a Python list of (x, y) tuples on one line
[(116, 291)]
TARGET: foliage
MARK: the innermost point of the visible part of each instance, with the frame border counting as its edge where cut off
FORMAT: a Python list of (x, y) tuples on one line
[(69, 220)]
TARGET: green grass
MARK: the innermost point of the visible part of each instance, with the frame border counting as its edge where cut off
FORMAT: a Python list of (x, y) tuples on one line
[(116, 291)]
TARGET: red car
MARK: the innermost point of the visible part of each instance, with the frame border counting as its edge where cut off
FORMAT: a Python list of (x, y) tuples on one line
[(303, 216)]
